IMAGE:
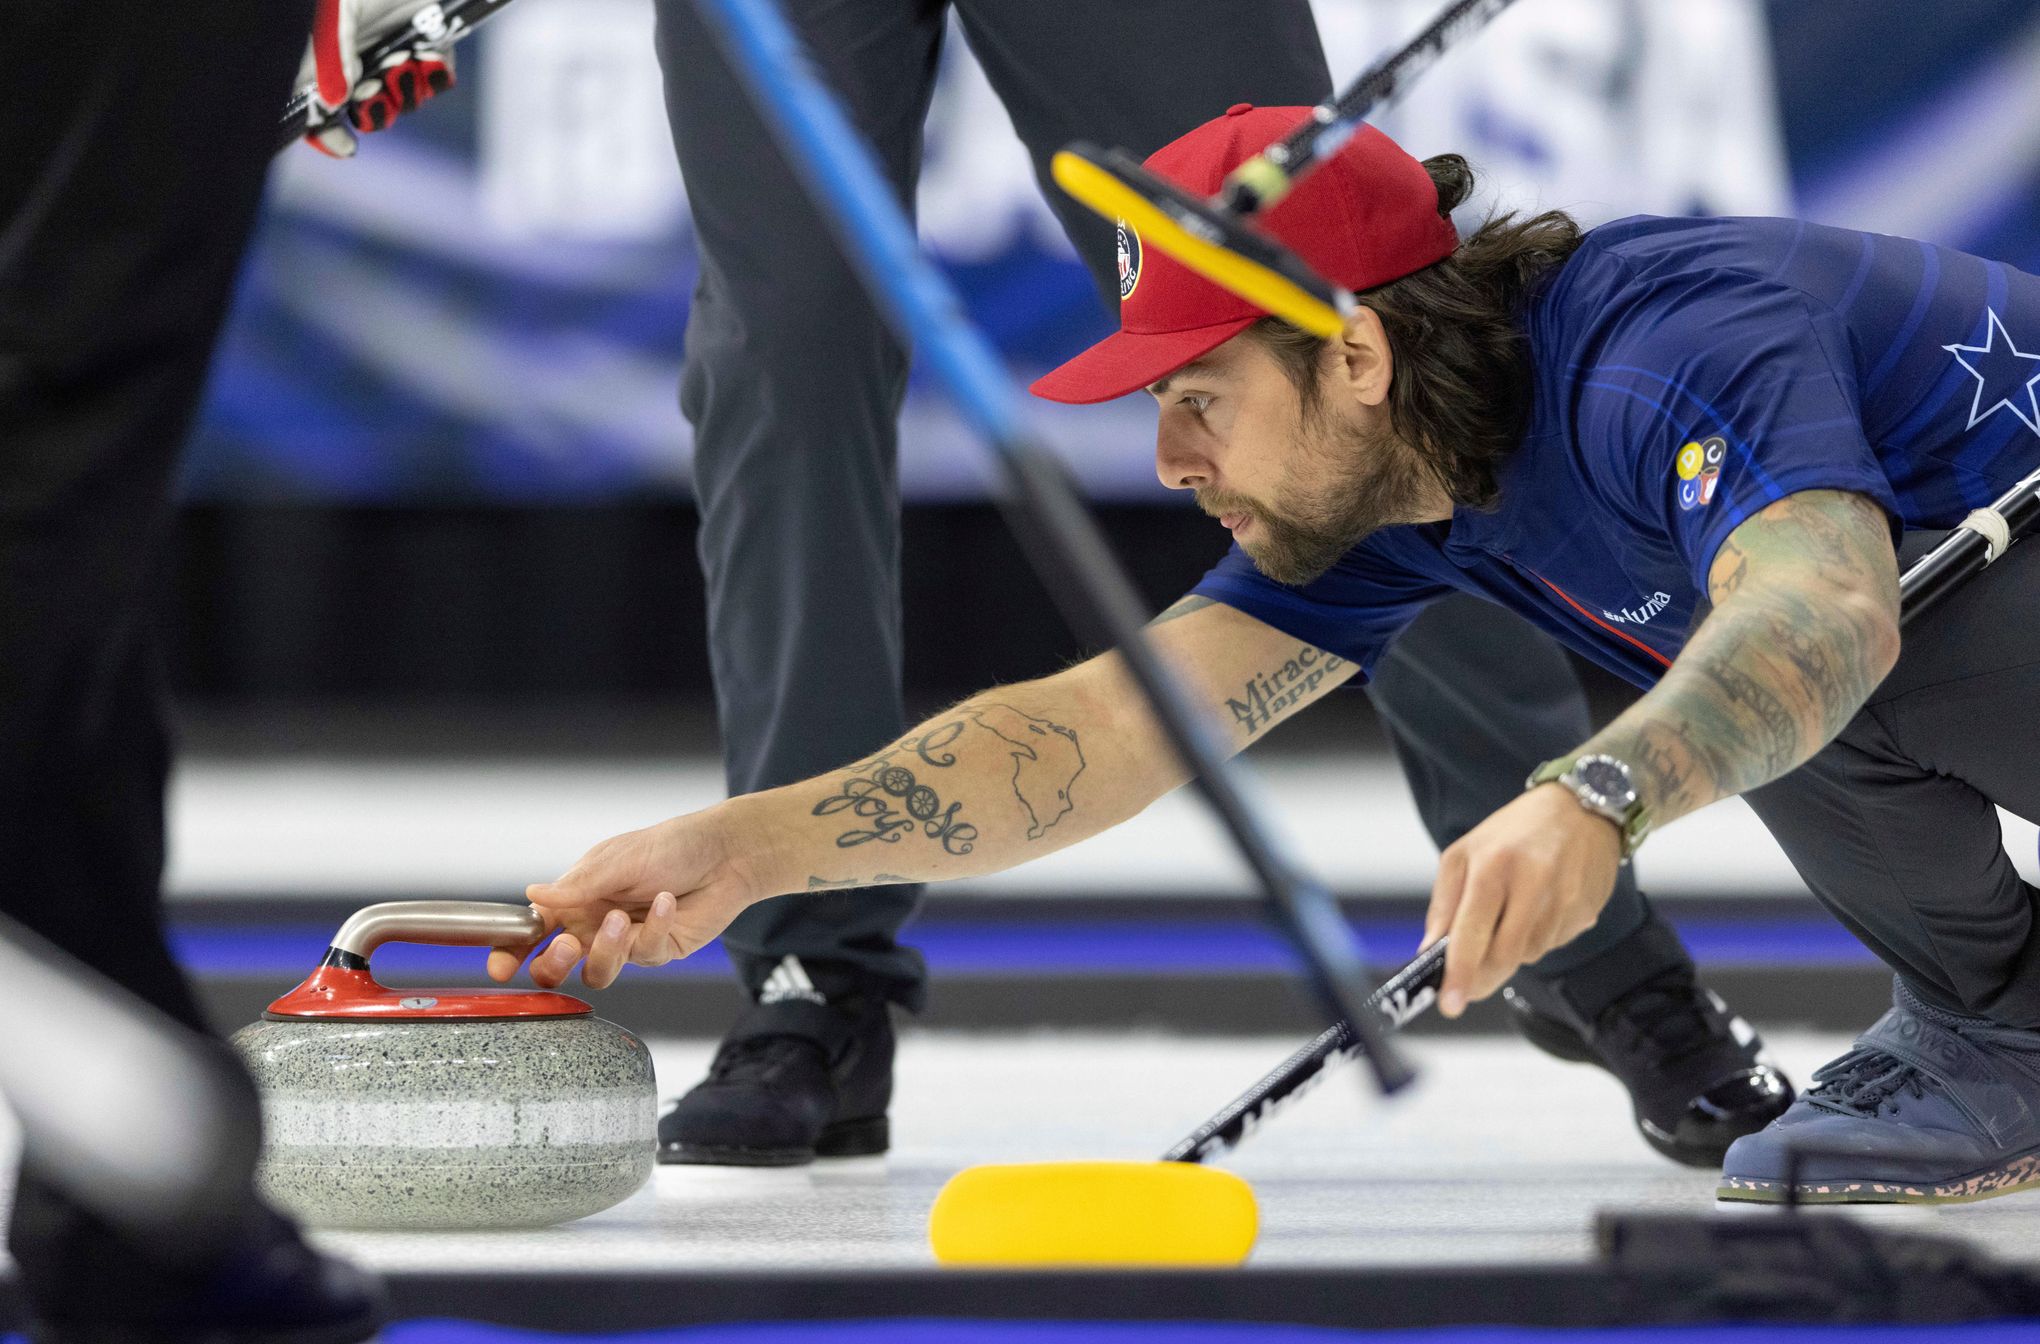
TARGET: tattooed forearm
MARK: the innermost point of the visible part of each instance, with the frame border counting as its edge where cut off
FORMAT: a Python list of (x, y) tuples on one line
[(891, 796), (888, 799), (1267, 695), (1770, 714), (1804, 626), (1047, 758)]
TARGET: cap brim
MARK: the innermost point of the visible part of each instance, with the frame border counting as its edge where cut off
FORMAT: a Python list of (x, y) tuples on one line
[(1127, 361)]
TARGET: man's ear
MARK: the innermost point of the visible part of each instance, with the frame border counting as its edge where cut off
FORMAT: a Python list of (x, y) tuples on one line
[(1366, 364)]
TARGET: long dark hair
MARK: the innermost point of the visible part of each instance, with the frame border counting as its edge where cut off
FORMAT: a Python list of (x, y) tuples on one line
[(1461, 390)]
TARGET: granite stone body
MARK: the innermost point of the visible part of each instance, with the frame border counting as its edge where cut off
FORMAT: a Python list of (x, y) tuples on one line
[(451, 1124)]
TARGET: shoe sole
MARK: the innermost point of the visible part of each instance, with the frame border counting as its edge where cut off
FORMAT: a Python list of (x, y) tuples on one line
[(2021, 1173), (866, 1137)]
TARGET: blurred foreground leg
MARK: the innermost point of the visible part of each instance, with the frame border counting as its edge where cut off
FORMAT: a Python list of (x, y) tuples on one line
[(169, 1214), (133, 143)]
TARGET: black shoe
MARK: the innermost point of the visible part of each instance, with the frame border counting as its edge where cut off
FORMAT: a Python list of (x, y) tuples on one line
[(1696, 1075), (271, 1289), (794, 1080)]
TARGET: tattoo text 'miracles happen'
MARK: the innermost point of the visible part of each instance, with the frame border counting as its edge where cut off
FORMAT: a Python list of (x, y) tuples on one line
[(1268, 695)]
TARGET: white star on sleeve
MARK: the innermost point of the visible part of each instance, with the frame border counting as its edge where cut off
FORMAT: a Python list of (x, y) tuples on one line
[(2000, 374)]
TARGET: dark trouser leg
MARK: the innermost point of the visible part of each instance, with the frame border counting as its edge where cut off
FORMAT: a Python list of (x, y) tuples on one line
[(1474, 699), (1136, 74), (1893, 825), (121, 225), (793, 385)]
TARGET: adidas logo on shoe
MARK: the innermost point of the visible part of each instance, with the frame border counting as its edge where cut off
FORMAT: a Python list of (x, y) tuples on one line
[(789, 980)]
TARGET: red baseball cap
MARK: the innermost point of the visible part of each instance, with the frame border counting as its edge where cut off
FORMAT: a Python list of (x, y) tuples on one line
[(1367, 216)]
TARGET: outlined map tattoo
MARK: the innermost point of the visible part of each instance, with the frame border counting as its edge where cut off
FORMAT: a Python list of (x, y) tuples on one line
[(1046, 762)]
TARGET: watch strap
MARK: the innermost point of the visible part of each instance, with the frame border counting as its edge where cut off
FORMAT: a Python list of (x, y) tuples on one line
[(1635, 821)]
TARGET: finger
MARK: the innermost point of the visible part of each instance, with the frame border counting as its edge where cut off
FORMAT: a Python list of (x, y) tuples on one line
[(586, 883), (550, 968), (333, 50), (566, 892), (374, 114), (1445, 893), (503, 964), (655, 943), (504, 960), (1517, 941), (335, 141), (608, 952), (1472, 930)]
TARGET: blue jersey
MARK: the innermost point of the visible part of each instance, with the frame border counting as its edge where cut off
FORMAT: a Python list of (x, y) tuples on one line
[(1687, 374)]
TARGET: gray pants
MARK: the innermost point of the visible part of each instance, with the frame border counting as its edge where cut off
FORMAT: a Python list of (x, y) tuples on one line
[(1893, 826), (793, 385)]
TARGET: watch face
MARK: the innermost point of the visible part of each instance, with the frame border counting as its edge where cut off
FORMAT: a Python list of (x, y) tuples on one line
[(1608, 779)]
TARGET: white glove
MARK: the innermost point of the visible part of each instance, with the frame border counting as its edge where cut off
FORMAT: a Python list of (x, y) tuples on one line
[(346, 97)]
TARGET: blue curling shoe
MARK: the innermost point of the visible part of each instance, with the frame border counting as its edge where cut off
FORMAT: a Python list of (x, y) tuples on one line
[(1928, 1107)]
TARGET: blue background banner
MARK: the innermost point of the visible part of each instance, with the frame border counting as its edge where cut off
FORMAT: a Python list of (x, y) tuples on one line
[(489, 305)]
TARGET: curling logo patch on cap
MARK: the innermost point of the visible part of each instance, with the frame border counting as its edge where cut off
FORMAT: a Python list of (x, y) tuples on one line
[(1126, 243)]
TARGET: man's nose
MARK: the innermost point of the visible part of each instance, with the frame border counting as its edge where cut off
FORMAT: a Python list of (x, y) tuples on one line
[(1179, 466)]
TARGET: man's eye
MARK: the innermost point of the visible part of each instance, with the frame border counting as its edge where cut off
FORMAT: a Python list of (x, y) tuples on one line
[(1197, 402)]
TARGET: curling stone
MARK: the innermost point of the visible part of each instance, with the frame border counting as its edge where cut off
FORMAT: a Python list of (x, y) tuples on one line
[(429, 1108)]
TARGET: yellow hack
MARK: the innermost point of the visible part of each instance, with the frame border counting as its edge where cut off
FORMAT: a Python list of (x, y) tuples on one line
[(1094, 1213)]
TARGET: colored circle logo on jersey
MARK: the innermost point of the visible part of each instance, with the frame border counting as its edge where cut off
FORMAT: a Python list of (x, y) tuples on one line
[(1689, 495), (1689, 461), (1708, 480), (1127, 244), (1714, 449)]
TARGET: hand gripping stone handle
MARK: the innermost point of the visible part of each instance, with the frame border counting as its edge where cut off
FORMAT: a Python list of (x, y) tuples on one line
[(448, 923)]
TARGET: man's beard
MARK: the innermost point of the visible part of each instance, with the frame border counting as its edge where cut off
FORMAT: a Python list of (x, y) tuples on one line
[(1343, 484)]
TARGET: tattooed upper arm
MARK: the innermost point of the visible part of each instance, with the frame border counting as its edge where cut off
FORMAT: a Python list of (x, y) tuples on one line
[(1804, 624), (1833, 536), (1254, 675)]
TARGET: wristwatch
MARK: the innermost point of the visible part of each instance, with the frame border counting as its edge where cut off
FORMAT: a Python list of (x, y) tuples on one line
[(1605, 787)]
